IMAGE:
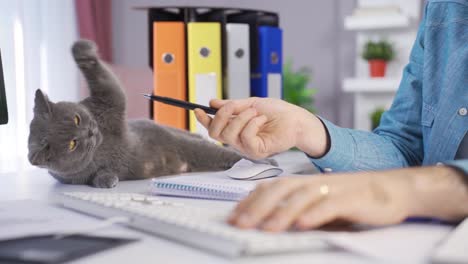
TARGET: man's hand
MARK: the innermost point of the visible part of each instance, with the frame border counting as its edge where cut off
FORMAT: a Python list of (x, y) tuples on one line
[(374, 198), (261, 127)]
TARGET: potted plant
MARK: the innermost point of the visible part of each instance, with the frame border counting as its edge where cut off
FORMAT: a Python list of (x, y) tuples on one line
[(378, 54), (295, 87), (375, 117)]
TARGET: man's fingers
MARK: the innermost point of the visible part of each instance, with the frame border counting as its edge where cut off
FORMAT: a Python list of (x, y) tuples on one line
[(265, 203), (238, 105), (321, 213), (203, 118), (262, 187), (218, 103), (231, 132), (220, 120), (252, 143), (284, 216)]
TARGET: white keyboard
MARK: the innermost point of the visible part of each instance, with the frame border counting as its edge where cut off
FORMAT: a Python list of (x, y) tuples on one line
[(194, 226)]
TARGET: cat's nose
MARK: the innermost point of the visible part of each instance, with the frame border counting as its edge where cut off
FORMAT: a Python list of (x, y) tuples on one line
[(90, 133)]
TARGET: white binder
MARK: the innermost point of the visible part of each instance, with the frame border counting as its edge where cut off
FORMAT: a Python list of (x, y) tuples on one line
[(237, 82), (274, 81), (205, 90)]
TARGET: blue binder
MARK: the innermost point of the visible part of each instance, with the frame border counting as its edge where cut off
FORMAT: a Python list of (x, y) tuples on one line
[(266, 77)]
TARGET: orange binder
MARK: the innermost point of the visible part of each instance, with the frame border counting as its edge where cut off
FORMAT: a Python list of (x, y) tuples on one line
[(169, 72)]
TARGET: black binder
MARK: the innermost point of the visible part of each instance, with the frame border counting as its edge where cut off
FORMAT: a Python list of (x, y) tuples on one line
[(3, 102)]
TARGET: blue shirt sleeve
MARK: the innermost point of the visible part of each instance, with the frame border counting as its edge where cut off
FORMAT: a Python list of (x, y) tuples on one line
[(462, 165), (397, 142)]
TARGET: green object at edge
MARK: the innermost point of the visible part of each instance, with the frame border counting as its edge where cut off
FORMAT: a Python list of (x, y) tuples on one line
[(376, 116), (295, 88)]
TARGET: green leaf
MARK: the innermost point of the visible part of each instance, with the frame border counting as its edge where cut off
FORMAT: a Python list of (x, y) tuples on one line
[(295, 88), (375, 116), (381, 50)]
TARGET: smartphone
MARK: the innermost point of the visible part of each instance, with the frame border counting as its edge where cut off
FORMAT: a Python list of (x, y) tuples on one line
[(47, 249)]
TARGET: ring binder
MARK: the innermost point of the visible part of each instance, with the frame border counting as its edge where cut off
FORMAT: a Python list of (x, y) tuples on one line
[(169, 72), (232, 50)]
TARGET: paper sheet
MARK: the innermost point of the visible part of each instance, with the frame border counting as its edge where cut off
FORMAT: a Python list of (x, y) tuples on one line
[(26, 217), (454, 249), (404, 243)]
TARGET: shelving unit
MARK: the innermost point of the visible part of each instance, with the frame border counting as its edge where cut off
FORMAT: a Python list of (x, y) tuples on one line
[(371, 85), (376, 22), (399, 28)]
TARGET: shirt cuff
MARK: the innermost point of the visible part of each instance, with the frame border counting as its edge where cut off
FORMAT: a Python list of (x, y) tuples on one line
[(461, 165), (341, 155)]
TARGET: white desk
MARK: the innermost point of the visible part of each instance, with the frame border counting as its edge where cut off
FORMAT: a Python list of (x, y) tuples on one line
[(37, 184)]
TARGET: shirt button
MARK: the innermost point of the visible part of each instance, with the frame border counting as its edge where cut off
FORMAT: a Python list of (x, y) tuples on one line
[(462, 111), (327, 170)]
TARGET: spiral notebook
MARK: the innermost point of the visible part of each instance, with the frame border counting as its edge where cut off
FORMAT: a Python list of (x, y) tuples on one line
[(233, 184), (209, 185)]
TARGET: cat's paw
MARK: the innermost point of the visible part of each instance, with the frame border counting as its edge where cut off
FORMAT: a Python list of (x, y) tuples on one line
[(105, 181), (85, 53)]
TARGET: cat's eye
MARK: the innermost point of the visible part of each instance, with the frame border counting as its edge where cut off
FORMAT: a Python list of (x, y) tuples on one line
[(72, 145), (77, 120)]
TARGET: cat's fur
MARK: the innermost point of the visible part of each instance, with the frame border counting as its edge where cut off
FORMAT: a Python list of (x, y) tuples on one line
[(110, 149)]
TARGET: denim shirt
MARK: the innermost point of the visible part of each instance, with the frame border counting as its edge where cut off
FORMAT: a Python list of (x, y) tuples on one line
[(428, 118)]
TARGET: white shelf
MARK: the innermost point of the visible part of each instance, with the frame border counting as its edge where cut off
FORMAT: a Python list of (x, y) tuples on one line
[(376, 22), (371, 85)]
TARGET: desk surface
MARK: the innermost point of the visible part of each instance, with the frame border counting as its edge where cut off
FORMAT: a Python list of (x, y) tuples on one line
[(37, 184)]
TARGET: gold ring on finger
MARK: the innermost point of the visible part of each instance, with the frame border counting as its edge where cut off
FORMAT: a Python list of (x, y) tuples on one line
[(324, 190)]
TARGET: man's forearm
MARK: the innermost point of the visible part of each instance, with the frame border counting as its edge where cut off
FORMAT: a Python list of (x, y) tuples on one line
[(312, 137), (439, 191)]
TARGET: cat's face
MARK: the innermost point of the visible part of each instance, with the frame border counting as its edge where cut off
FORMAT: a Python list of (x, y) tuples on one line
[(63, 136)]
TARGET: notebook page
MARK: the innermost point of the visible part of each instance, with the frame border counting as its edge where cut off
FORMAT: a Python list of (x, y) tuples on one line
[(211, 185)]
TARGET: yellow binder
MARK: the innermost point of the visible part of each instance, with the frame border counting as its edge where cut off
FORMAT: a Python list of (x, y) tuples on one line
[(204, 66)]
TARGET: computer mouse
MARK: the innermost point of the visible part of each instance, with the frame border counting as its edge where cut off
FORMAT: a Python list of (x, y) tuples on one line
[(247, 170)]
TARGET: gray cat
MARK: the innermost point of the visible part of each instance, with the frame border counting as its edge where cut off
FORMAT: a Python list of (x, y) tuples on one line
[(91, 142)]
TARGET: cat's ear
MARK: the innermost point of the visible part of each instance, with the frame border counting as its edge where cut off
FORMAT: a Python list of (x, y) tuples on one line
[(39, 156), (41, 104)]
